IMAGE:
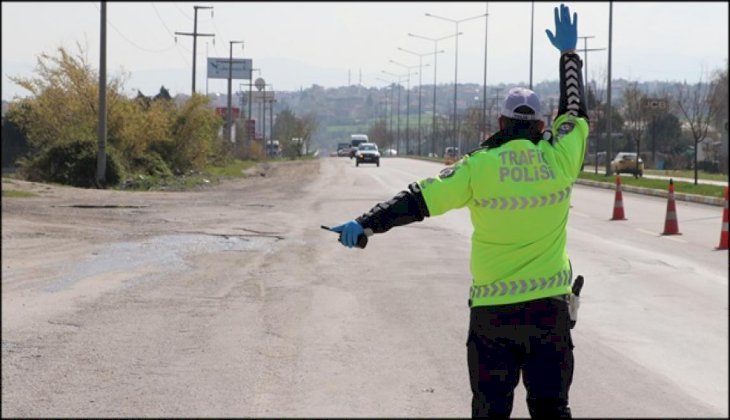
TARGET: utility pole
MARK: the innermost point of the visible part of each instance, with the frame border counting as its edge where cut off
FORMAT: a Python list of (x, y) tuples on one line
[(231, 135), (586, 82), (532, 27), (195, 36), (101, 125), (608, 91), (484, 95)]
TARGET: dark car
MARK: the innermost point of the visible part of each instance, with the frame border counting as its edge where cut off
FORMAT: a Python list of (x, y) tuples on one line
[(367, 153)]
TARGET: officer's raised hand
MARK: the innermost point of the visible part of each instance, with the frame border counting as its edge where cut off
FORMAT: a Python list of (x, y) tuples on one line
[(566, 33), (349, 233)]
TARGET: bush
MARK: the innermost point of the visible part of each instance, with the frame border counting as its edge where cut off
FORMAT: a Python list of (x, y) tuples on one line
[(73, 163), (708, 166), (152, 164)]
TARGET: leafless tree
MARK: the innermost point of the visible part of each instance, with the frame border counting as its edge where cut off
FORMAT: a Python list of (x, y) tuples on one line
[(635, 116), (697, 109)]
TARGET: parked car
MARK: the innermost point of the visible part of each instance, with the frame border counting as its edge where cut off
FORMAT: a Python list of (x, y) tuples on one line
[(451, 155), (389, 152), (626, 162), (367, 153)]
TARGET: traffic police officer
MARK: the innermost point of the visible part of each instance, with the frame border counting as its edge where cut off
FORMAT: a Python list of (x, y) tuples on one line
[(517, 188)]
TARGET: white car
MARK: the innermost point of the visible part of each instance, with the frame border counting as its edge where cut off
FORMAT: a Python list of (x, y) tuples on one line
[(367, 153), (390, 152)]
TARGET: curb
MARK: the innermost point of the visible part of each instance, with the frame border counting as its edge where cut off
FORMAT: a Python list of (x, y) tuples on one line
[(713, 201)]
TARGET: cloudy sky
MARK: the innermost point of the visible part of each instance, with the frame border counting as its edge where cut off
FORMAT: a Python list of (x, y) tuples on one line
[(298, 44)]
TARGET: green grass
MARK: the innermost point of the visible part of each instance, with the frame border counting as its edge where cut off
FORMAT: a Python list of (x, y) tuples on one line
[(210, 176), (233, 170), (660, 184), (687, 174), (14, 193)]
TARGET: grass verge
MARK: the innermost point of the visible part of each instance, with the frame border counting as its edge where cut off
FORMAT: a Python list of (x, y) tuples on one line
[(15, 193), (660, 184)]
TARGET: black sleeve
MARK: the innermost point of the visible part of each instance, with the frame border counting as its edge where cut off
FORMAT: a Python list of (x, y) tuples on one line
[(406, 207), (572, 94)]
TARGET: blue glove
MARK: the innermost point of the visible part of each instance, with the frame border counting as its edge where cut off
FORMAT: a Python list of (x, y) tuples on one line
[(566, 33), (349, 232)]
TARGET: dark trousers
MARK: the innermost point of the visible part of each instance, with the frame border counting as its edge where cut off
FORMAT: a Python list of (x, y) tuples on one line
[(530, 337)]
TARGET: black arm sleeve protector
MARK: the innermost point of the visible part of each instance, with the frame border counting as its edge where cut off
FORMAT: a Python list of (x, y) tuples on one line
[(406, 207), (572, 94)]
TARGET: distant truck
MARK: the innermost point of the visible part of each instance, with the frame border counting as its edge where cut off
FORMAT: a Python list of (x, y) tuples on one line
[(355, 141), (343, 149)]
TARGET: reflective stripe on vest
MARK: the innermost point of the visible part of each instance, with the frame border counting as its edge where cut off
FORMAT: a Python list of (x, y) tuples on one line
[(518, 203), (512, 287)]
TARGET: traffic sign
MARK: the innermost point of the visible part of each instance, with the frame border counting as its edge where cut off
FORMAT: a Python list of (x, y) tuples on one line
[(218, 68)]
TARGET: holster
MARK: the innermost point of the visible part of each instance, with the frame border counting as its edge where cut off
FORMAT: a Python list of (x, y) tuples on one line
[(574, 300)]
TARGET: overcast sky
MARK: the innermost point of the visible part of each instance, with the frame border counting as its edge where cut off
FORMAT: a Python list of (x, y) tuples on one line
[(298, 44)]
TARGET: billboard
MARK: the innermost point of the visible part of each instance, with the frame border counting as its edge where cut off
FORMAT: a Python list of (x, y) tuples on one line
[(218, 68)]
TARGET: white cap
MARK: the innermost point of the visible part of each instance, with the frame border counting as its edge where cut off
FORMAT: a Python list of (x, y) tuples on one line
[(517, 97)]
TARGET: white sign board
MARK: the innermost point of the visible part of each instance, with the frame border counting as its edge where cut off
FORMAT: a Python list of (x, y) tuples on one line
[(218, 68), (263, 96)]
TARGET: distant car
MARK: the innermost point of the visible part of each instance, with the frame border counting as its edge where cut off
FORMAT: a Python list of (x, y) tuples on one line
[(343, 152), (389, 152), (626, 162), (451, 155), (367, 153)]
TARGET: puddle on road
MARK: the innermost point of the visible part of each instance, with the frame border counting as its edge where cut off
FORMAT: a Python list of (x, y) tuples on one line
[(165, 254)]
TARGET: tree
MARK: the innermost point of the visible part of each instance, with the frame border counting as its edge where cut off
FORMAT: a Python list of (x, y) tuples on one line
[(63, 103), (378, 133), (697, 109), (194, 134), (309, 126), (636, 116)]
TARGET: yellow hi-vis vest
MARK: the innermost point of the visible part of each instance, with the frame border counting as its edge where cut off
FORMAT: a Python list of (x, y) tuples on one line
[(518, 195)]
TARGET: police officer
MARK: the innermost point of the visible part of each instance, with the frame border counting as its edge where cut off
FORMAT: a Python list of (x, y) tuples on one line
[(517, 188)]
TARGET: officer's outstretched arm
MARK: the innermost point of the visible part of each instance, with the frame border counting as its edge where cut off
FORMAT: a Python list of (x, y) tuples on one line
[(406, 207), (572, 95)]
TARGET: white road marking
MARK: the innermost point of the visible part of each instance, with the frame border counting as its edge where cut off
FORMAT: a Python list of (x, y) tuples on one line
[(647, 232)]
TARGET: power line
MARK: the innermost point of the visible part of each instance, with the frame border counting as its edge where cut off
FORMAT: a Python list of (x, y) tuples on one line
[(171, 34), (132, 42), (180, 10)]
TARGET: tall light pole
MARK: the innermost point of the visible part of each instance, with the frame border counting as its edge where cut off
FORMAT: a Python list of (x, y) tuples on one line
[(400, 78), (456, 137), (532, 38), (230, 75), (195, 36), (390, 102), (435, 52), (587, 83), (608, 90), (420, 78), (484, 102), (408, 101)]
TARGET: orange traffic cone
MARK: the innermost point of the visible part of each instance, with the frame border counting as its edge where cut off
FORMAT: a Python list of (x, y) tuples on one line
[(723, 234), (618, 206), (671, 227)]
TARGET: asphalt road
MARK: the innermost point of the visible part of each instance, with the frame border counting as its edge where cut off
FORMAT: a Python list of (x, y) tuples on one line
[(232, 302)]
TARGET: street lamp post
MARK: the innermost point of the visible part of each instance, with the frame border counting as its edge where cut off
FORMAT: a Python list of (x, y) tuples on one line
[(230, 75), (587, 84), (435, 55), (400, 79), (420, 74), (484, 104), (456, 63), (390, 103), (408, 101)]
